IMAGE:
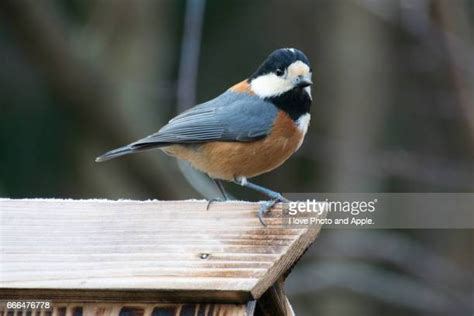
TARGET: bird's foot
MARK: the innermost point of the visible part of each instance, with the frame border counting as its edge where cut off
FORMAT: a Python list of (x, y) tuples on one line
[(266, 206)]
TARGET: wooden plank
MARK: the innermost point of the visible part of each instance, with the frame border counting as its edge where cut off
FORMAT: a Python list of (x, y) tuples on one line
[(145, 250), (274, 302), (127, 309)]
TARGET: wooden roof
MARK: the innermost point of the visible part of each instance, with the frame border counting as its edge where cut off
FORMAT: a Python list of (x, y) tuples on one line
[(171, 251)]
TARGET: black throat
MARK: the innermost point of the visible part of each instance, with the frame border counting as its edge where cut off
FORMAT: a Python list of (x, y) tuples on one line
[(295, 102)]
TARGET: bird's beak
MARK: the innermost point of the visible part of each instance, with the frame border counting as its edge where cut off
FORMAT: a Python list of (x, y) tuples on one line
[(302, 82)]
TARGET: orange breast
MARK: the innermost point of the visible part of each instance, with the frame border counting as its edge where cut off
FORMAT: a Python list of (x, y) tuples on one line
[(228, 160)]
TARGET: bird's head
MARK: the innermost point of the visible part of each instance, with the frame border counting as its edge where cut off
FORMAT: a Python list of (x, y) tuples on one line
[(284, 70)]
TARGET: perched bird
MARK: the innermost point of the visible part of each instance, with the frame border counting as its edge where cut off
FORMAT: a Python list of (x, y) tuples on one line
[(250, 129)]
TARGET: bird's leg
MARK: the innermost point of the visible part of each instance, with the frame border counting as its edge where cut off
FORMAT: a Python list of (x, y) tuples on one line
[(271, 194), (275, 197), (221, 190)]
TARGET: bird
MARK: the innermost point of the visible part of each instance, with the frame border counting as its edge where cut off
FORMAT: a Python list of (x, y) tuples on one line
[(248, 130)]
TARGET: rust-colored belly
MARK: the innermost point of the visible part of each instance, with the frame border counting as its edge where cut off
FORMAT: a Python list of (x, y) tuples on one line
[(228, 160)]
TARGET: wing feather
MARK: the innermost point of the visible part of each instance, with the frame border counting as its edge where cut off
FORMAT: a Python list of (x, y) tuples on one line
[(230, 117)]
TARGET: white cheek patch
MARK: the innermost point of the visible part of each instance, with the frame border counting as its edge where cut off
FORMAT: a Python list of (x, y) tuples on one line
[(270, 85)]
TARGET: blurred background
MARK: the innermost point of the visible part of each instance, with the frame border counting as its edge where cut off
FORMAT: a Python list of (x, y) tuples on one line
[(393, 112)]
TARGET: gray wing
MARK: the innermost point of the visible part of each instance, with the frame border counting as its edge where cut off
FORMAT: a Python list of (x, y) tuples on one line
[(230, 117)]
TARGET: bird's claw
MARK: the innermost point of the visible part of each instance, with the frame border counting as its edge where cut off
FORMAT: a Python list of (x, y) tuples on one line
[(268, 205), (281, 198)]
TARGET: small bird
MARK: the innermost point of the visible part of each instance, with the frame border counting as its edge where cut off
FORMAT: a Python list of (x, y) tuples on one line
[(250, 129)]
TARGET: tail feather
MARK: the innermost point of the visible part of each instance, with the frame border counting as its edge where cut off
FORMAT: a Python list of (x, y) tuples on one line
[(129, 149), (122, 151)]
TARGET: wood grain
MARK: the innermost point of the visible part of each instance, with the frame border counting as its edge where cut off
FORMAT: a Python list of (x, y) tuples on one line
[(143, 251), (126, 309)]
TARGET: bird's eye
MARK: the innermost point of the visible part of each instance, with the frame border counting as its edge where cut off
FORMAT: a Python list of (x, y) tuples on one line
[(279, 72)]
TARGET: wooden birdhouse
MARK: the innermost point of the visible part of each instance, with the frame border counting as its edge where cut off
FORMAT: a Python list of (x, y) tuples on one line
[(99, 257)]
